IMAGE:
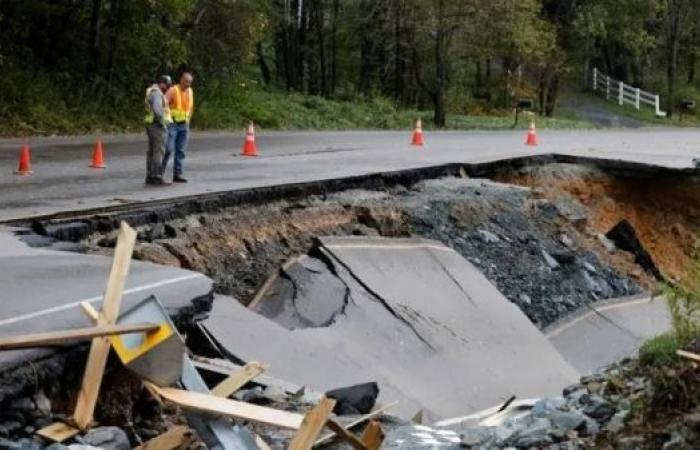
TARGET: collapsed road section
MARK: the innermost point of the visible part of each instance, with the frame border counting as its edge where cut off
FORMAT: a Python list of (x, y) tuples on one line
[(450, 291)]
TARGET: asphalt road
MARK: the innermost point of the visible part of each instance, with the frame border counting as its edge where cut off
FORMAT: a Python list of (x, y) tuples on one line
[(62, 180)]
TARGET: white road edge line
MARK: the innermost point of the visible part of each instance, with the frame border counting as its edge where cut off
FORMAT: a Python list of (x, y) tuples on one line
[(98, 298), (600, 309)]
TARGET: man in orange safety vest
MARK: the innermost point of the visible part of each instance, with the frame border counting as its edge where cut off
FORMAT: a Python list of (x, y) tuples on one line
[(181, 100)]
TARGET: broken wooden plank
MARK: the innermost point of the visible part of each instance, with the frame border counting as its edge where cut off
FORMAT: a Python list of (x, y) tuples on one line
[(224, 367), (89, 311), (99, 350), (346, 435), (373, 435), (63, 337), (371, 415), (238, 379), (58, 432), (231, 408), (175, 437), (688, 355), (262, 445), (313, 423)]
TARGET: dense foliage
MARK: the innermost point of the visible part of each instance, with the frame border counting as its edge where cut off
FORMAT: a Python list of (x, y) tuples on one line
[(79, 64)]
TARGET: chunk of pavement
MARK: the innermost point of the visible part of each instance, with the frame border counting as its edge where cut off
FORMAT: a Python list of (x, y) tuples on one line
[(108, 438), (475, 437), (617, 421), (599, 409), (357, 399), (56, 446), (536, 434), (567, 421), (549, 260), (488, 237), (43, 404), (22, 444), (607, 243)]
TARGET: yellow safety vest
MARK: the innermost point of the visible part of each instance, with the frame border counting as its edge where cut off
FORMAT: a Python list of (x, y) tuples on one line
[(149, 111), (180, 107)]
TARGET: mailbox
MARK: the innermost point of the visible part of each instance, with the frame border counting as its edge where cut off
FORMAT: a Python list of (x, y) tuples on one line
[(524, 103), (687, 104)]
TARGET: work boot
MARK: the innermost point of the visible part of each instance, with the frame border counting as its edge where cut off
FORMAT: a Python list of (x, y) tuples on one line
[(157, 181), (179, 179)]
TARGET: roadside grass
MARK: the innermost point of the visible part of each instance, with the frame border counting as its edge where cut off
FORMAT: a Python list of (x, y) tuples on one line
[(646, 114), (228, 107), (659, 351)]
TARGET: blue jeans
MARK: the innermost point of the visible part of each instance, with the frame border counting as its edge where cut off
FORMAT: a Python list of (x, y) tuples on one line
[(178, 134)]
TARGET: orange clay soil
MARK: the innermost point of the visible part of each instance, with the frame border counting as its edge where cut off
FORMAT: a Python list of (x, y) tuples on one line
[(664, 211)]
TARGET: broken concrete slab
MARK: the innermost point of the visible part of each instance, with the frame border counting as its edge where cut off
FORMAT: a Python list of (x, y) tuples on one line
[(416, 311), (607, 332)]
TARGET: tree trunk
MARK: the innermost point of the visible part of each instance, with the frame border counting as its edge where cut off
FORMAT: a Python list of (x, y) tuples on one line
[(319, 23), (334, 48), (93, 49), (672, 44), (262, 63)]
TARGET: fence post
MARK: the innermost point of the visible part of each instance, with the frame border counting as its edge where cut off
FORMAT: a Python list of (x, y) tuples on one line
[(636, 99), (621, 93), (595, 79), (657, 105), (607, 88)]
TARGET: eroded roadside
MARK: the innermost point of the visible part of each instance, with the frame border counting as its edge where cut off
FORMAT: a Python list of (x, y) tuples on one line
[(539, 238)]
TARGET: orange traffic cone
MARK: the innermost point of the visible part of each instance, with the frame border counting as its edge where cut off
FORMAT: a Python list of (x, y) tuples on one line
[(531, 135), (98, 157), (249, 147), (418, 134), (25, 164)]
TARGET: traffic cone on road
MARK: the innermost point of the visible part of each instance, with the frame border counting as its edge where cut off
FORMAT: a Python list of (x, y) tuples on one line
[(249, 147), (531, 135), (418, 134), (25, 164), (98, 157)]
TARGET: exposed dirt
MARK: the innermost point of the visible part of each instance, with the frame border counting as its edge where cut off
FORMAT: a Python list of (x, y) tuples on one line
[(664, 212), (526, 246)]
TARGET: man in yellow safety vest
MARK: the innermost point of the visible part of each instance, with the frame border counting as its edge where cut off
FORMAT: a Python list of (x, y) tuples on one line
[(157, 120), (181, 101)]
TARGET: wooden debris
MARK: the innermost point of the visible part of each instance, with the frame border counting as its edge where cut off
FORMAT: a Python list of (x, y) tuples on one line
[(175, 437), (262, 445), (58, 432), (688, 355), (373, 435), (99, 350), (71, 336), (224, 367), (346, 435), (313, 423), (238, 379), (222, 406), (90, 311), (376, 413)]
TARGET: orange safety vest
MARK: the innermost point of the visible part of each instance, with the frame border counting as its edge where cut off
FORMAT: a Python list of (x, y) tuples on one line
[(181, 104)]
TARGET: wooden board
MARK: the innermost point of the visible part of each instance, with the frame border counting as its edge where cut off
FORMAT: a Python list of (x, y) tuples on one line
[(89, 311), (346, 435), (58, 432), (99, 350), (313, 423), (373, 435), (688, 355), (173, 438), (71, 336), (376, 413), (225, 367), (222, 406), (238, 379)]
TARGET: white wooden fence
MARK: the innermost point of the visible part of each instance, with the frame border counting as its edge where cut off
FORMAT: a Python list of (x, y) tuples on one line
[(624, 93)]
